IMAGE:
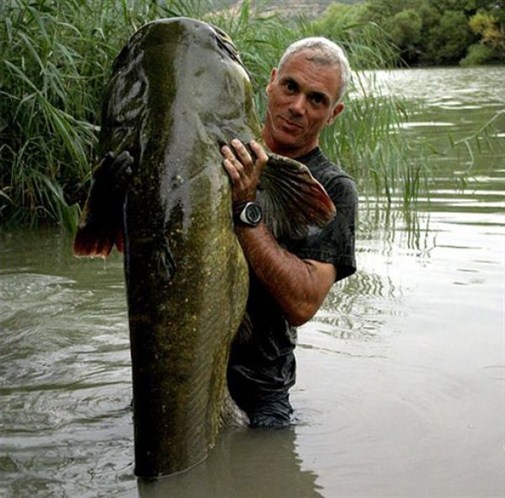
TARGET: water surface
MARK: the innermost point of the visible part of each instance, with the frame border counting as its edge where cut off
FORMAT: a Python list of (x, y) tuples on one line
[(401, 383)]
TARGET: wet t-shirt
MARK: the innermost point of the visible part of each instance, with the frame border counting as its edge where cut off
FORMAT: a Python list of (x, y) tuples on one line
[(262, 367), (333, 243)]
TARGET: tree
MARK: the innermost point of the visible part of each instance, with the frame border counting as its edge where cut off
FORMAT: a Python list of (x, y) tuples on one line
[(369, 44), (491, 46), (449, 39), (405, 32), (435, 31), (485, 24)]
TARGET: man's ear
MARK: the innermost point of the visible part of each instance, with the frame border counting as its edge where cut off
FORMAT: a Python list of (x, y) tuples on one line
[(336, 111), (273, 75)]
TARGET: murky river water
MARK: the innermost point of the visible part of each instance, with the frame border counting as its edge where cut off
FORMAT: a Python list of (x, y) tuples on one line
[(401, 385)]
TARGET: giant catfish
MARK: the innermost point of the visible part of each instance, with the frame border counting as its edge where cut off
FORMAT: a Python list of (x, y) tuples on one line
[(177, 92)]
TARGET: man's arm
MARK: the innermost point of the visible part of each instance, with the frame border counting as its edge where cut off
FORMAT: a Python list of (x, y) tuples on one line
[(299, 286)]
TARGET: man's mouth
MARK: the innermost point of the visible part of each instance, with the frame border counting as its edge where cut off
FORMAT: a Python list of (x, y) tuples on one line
[(288, 124)]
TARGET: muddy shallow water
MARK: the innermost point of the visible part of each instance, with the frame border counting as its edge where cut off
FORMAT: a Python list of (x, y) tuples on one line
[(401, 375)]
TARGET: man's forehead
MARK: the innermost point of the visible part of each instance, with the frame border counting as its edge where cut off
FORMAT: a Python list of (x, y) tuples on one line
[(298, 62), (313, 55), (295, 62)]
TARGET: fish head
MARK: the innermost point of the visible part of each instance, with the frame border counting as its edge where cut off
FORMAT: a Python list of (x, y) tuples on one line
[(178, 67)]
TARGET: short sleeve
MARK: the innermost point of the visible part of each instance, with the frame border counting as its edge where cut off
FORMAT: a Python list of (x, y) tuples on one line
[(334, 243)]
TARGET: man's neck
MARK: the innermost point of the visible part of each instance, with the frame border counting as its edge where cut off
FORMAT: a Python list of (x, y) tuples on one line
[(287, 151)]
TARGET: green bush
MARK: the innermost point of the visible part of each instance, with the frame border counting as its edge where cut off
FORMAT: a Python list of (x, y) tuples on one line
[(478, 54)]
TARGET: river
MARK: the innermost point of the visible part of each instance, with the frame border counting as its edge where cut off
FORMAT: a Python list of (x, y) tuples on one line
[(401, 375)]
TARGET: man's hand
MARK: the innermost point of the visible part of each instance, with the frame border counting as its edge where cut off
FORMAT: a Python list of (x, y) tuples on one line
[(244, 168)]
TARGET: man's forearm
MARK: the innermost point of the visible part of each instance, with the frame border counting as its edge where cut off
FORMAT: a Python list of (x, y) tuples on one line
[(299, 286)]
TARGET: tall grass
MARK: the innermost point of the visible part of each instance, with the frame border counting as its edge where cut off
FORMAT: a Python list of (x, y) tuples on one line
[(55, 61)]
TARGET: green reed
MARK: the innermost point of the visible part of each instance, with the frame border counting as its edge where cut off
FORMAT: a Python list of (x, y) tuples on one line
[(55, 61)]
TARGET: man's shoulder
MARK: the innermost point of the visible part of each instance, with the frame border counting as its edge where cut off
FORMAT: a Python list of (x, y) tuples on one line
[(319, 164), (330, 174)]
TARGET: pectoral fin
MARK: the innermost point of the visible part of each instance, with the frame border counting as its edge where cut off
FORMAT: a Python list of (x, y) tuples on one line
[(101, 224), (292, 199)]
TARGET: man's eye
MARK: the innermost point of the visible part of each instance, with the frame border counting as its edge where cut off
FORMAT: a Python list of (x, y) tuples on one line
[(291, 86), (318, 99)]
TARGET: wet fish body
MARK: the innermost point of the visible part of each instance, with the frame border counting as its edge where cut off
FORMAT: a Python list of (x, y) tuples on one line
[(177, 91)]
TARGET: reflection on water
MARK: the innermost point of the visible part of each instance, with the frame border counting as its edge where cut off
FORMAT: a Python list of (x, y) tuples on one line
[(401, 378), (246, 464)]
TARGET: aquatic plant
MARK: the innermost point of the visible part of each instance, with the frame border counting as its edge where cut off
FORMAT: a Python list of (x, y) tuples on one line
[(56, 58)]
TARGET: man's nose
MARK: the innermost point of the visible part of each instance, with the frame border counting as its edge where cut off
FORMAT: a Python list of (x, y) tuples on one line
[(297, 106)]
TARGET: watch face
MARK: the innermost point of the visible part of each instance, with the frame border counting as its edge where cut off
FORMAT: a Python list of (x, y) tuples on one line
[(253, 213)]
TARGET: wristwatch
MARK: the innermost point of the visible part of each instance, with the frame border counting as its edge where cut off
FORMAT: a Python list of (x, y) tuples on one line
[(247, 214)]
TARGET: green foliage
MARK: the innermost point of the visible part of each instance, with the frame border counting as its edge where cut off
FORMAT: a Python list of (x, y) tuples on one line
[(367, 140), (492, 39), (56, 59), (448, 39), (364, 39), (260, 40), (406, 30), (477, 54), (434, 32)]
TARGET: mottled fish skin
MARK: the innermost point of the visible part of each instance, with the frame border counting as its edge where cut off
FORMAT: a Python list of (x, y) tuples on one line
[(177, 91)]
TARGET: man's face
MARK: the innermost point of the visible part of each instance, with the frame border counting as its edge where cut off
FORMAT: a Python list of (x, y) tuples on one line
[(301, 102)]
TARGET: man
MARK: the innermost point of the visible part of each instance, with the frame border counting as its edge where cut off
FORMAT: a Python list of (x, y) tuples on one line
[(289, 279)]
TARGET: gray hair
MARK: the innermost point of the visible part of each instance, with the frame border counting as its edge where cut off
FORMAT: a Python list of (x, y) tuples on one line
[(325, 53)]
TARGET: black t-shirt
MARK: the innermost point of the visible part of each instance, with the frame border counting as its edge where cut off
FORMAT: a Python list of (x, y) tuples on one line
[(262, 366)]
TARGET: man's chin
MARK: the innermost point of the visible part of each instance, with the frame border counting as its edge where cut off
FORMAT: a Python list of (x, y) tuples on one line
[(288, 139)]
